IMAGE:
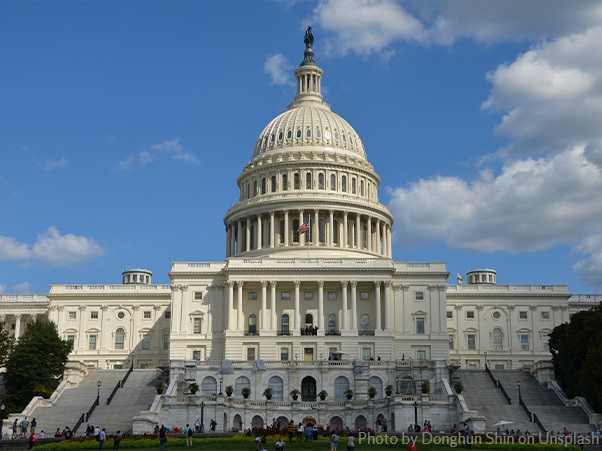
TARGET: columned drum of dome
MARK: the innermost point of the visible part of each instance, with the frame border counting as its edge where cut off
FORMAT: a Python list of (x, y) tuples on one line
[(308, 162)]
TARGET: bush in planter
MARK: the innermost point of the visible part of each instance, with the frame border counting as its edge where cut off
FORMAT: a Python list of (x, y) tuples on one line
[(245, 392), (349, 393), (229, 390), (389, 390), (160, 387), (372, 392), (268, 393), (425, 387), (458, 387), (193, 387), (322, 395), (295, 394), (41, 390)]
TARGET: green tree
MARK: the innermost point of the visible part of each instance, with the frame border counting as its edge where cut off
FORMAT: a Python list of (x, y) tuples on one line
[(576, 349), (6, 344), (38, 359)]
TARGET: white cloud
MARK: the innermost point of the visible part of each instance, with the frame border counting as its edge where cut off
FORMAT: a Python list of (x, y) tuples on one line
[(279, 69), (125, 165), (55, 164), (532, 204), (51, 247), (22, 288), (2, 288), (149, 155), (589, 270)]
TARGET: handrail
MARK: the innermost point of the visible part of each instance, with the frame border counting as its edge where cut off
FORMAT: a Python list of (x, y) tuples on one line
[(117, 387), (488, 371), (79, 422), (501, 387), (125, 378), (120, 383), (525, 408), (536, 420), (87, 415)]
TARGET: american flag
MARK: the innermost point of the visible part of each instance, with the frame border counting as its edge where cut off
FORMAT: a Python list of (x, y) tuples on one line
[(304, 227)]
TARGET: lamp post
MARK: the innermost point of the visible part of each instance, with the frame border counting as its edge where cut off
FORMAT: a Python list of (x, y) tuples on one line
[(202, 415), (98, 384), (397, 381), (2, 407), (519, 397), (485, 353), (415, 412), (221, 382)]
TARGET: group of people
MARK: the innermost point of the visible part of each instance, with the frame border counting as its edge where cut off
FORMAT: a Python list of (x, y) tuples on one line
[(309, 330), (426, 427), (307, 432), (100, 435), (20, 430)]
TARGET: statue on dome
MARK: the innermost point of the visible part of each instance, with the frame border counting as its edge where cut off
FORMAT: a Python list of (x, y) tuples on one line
[(309, 38), (460, 279)]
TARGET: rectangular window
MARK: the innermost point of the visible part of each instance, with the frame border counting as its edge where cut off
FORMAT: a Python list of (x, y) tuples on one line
[(285, 295), (366, 353), (198, 295), (546, 344), (72, 315), (332, 295), (252, 295), (71, 339), (545, 315), (198, 325), (364, 296), (524, 342), (309, 295), (251, 354), (472, 341), (167, 314), (94, 315), (522, 315), (470, 314), (92, 342), (420, 355), (147, 314), (419, 325), (419, 295), (166, 341), (450, 314), (332, 352), (146, 341), (196, 355), (450, 339), (284, 354)]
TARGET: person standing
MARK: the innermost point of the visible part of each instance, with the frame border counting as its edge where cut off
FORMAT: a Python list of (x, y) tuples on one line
[(32, 428), (188, 434), (102, 438), (32, 440), (334, 441), (117, 441), (162, 437), (24, 426), (350, 442), (15, 426)]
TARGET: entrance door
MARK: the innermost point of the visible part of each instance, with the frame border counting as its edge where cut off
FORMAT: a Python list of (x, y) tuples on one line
[(308, 389), (308, 353)]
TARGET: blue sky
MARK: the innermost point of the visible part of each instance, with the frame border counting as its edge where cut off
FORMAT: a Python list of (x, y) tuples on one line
[(123, 127)]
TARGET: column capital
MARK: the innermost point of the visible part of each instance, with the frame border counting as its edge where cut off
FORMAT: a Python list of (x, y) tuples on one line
[(377, 283), (230, 283), (353, 283), (240, 283), (273, 283), (104, 308), (388, 283), (320, 284), (297, 283), (264, 283), (344, 283), (135, 308)]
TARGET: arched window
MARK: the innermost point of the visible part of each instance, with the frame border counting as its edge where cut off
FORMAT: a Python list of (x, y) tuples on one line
[(297, 181), (377, 383), (365, 322), (341, 384), (335, 232), (284, 182), (353, 185), (282, 231), (333, 182), (276, 384), (254, 188), (285, 324), (264, 186), (209, 386), (274, 184), (344, 183), (322, 230), (240, 383), (252, 324), (119, 338), (248, 190), (362, 188), (497, 339), (332, 323), (321, 180), (308, 181), (309, 319), (295, 233)]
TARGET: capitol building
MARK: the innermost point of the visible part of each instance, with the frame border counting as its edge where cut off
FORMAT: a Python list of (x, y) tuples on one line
[(308, 299)]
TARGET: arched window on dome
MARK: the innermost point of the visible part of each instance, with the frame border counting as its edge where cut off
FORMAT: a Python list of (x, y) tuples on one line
[(274, 184), (308, 181), (318, 133), (308, 133), (321, 180), (298, 133), (297, 181), (322, 230), (295, 233), (333, 182), (281, 234), (362, 188), (335, 232), (289, 134), (353, 185), (280, 136), (255, 188), (344, 183), (119, 338), (284, 182), (264, 185)]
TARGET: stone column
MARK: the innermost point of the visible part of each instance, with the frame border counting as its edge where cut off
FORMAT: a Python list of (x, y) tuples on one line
[(344, 325), (378, 243), (273, 305), (272, 234), (297, 324), (388, 312), (230, 319), (354, 305), (264, 305), (377, 296), (18, 325), (358, 232), (369, 233), (259, 232), (331, 233), (248, 235), (345, 230), (301, 237), (239, 317), (320, 305), (105, 330), (239, 238), (287, 231), (316, 229), (389, 243)]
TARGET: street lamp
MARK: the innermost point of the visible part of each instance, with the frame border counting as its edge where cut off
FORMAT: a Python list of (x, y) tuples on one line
[(202, 415), (415, 412), (519, 397), (98, 384), (2, 407), (485, 353), (221, 381)]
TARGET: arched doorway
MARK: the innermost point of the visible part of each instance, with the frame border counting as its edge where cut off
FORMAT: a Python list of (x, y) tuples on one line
[(257, 422), (237, 423), (282, 423), (308, 389), (336, 424), (361, 423)]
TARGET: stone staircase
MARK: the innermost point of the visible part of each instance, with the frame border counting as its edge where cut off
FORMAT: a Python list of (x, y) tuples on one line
[(137, 394), (544, 403)]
